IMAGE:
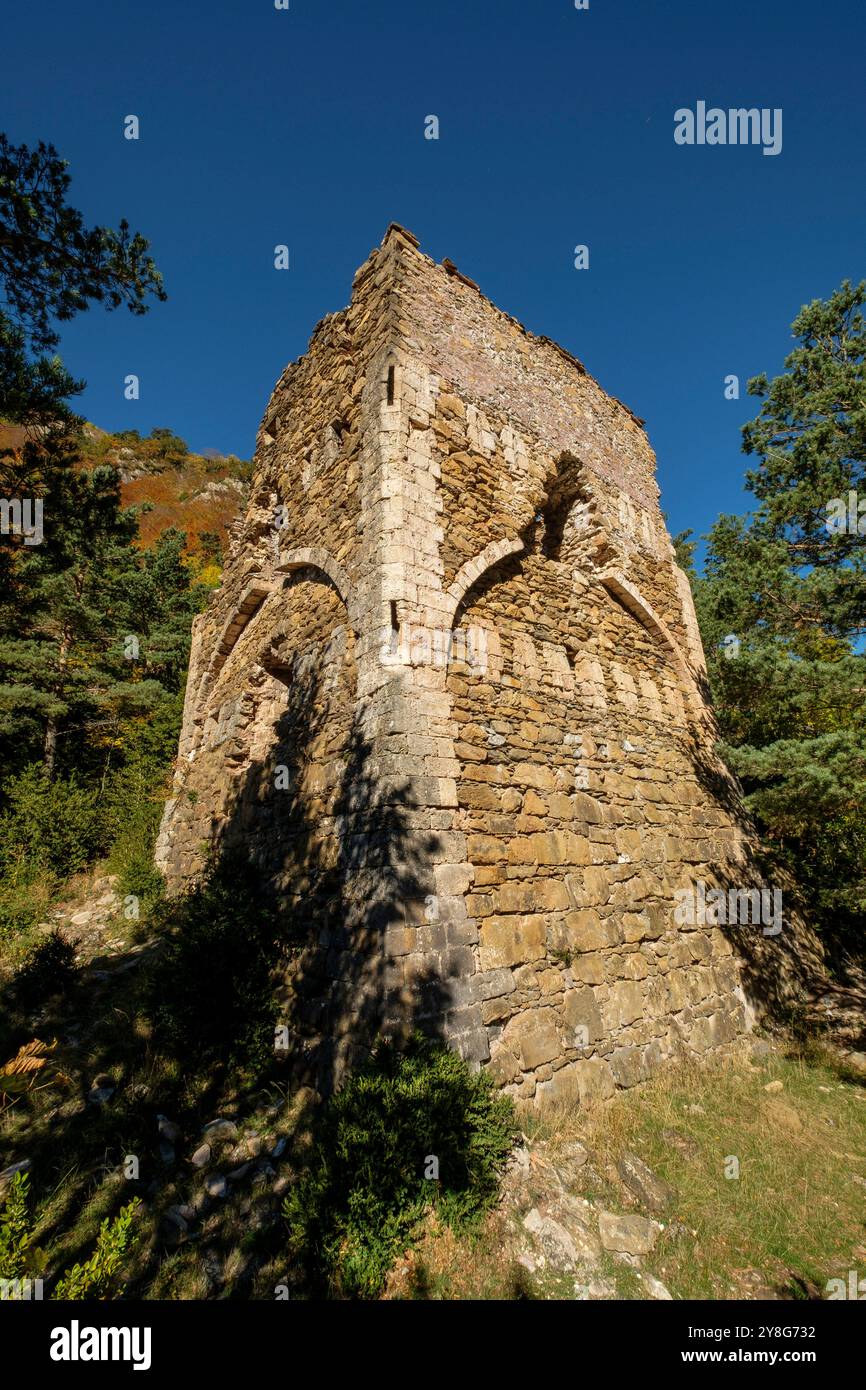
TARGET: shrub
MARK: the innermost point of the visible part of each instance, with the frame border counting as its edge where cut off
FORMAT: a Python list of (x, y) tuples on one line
[(131, 856), (359, 1204), (97, 1277), (15, 1230), (24, 898), (49, 825), (48, 968), (210, 991)]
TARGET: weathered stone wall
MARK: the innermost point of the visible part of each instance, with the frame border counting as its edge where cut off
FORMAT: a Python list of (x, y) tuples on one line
[(451, 698)]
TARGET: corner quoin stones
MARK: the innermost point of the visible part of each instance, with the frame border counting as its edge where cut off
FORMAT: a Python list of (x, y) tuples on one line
[(450, 698)]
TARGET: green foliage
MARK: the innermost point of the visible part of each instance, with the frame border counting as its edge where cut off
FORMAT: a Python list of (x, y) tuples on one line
[(93, 632), (210, 992), (684, 550), (16, 1234), (161, 448), (23, 896), (100, 712), (792, 591), (169, 446), (210, 548), (98, 1276), (359, 1203), (48, 968), (32, 392), (131, 857), (49, 825), (51, 268)]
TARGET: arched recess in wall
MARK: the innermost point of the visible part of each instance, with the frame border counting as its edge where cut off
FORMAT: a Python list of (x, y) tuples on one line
[(317, 557), (629, 597), (572, 531), (246, 608), (475, 649), (469, 574), (278, 655), (295, 688), (249, 608)]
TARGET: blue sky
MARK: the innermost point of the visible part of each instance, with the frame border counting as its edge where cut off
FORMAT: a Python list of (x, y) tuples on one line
[(306, 127)]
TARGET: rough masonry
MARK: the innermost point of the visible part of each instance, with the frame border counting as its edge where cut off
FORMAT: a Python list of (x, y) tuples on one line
[(451, 699)]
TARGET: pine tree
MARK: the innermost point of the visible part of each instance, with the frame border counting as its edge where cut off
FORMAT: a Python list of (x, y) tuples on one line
[(94, 632), (782, 606), (51, 268)]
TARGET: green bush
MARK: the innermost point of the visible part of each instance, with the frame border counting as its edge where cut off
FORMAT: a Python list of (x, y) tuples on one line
[(54, 826), (210, 991), (359, 1204), (24, 896), (96, 1278), (48, 968), (131, 856), (15, 1230)]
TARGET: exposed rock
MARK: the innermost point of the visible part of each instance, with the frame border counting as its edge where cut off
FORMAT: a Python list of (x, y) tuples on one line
[(570, 1163), (101, 1090), (555, 1241), (202, 1156), (576, 1216), (655, 1288), (237, 1174), (216, 1186), (773, 1087), (174, 1226), (632, 1235), (219, 1131), (651, 1191)]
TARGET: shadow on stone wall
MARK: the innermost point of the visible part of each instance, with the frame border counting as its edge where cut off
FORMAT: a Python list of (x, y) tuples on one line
[(778, 968), (342, 861)]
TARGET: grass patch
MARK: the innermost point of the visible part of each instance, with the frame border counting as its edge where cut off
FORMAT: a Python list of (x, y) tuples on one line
[(794, 1216), (792, 1219)]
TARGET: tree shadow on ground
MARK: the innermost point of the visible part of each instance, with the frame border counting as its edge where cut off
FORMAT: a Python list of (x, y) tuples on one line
[(336, 872)]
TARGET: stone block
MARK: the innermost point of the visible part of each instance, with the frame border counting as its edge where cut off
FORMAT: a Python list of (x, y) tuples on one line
[(581, 1015), (534, 1036), (510, 941), (594, 1080), (624, 1004)]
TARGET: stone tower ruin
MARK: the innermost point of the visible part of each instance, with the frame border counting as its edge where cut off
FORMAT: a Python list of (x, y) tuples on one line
[(451, 700)]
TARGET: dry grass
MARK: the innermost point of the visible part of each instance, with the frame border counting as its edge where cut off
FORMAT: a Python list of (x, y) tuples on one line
[(790, 1221)]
